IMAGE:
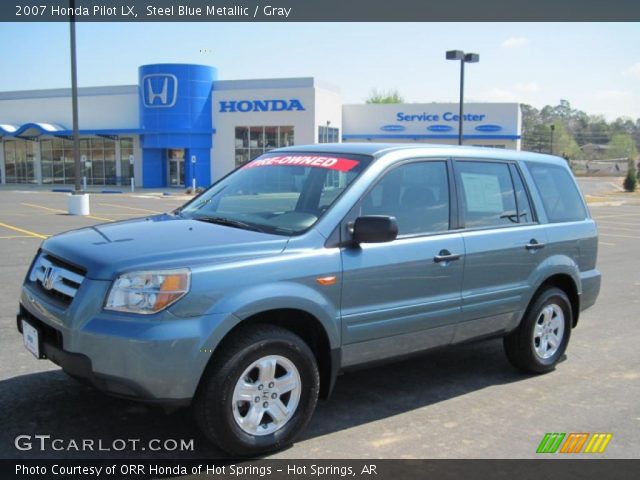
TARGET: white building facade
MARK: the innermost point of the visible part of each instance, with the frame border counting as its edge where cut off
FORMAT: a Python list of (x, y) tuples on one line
[(180, 123)]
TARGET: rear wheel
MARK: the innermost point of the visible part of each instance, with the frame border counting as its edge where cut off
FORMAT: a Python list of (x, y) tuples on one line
[(259, 393), (537, 345)]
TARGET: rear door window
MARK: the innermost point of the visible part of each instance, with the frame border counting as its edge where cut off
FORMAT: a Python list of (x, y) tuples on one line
[(560, 196), (487, 194)]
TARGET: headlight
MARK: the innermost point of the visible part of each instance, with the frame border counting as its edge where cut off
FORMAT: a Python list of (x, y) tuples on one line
[(148, 292)]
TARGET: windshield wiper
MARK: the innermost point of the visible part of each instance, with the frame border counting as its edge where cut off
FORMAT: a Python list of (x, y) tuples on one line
[(229, 222)]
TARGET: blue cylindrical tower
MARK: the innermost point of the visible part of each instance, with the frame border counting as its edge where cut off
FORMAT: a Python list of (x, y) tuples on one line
[(176, 123)]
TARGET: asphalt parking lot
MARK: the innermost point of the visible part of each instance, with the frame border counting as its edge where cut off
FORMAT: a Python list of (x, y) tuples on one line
[(464, 402)]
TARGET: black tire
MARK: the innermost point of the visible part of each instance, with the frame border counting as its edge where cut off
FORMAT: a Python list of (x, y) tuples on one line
[(213, 404), (520, 345)]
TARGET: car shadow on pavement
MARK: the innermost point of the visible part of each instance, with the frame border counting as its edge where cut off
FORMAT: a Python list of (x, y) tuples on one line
[(371, 394), (51, 403)]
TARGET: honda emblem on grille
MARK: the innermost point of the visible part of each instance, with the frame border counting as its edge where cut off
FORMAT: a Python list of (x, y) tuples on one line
[(50, 277)]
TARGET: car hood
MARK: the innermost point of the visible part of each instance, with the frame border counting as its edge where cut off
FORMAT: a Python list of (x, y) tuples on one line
[(161, 241)]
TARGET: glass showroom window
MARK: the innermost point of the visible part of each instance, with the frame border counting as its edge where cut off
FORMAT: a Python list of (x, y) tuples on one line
[(53, 156), (46, 161), (19, 161), (100, 153), (328, 134), (251, 142), (58, 165), (126, 169)]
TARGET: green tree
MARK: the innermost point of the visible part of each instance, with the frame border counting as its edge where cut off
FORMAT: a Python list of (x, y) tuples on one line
[(386, 96), (538, 139), (623, 125), (530, 121), (630, 180), (622, 145), (563, 142)]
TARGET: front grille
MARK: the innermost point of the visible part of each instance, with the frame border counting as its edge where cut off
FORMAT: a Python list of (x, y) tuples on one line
[(57, 278)]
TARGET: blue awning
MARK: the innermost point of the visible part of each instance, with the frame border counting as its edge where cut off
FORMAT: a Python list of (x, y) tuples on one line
[(37, 129), (8, 129)]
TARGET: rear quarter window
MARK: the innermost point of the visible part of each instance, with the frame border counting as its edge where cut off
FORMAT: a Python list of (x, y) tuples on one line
[(560, 196)]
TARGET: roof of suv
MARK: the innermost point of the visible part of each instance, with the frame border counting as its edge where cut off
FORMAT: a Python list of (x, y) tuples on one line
[(378, 149)]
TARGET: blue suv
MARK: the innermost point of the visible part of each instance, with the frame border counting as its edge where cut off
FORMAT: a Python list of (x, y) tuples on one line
[(247, 302)]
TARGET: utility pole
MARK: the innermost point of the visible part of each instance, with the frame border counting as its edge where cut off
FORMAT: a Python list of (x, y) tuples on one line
[(74, 98)]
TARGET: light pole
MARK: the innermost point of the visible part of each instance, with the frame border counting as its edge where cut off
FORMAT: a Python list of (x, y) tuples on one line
[(78, 200), (326, 132), (553, 128), (74, 98), (464, 58)]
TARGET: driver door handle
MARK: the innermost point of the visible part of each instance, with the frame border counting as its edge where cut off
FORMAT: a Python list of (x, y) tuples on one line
[(534, 245), (446, 256)]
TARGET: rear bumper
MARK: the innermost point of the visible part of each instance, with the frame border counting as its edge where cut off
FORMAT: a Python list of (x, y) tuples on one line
[(590, 281)]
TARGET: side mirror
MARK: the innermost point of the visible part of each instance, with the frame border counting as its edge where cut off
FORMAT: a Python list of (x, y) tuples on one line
[(375, 229)]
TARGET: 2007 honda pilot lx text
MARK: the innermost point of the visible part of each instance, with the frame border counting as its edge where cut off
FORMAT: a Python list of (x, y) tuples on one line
[(249, 300)]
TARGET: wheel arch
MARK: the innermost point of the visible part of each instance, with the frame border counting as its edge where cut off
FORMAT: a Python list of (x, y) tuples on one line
[(303, 324), (311, 330), (567, 284)]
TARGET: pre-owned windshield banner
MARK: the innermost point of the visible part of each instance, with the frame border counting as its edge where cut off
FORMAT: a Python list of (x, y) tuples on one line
[(318, 161)]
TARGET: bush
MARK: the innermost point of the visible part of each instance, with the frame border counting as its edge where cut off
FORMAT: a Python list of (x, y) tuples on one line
[(630, 181)]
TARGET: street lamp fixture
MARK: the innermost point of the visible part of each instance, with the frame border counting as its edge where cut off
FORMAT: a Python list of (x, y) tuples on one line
[(463, 58)]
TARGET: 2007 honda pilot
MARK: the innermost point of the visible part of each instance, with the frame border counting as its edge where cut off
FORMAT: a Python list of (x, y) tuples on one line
[(248, 301)]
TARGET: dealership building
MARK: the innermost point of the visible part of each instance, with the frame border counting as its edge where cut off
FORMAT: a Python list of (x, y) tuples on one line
[(181, 123)]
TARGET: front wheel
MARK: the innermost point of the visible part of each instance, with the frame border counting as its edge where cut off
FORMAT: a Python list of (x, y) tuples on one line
[(541, 339), (260, 391)]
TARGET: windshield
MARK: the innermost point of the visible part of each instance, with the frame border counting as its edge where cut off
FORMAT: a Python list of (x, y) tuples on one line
[(278, 193)]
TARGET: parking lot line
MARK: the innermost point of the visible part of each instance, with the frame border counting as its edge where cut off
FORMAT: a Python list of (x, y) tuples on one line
[(9, 237), (57, 210), (614, 235), (22, 230), (618, 215), (624, 224), (616, 228), (129, 208), (606, 243)]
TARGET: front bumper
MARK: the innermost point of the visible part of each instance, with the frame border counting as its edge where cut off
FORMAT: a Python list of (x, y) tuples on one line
[(79, 366), (157, 358)]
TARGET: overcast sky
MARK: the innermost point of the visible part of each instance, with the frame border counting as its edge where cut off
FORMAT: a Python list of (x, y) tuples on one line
[(596, 66)]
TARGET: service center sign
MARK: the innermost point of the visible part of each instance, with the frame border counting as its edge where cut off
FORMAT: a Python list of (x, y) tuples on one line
[(438, 120), (317, 161)]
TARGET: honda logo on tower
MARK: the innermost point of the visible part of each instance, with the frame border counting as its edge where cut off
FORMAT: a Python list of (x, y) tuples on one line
[(159, 90)]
